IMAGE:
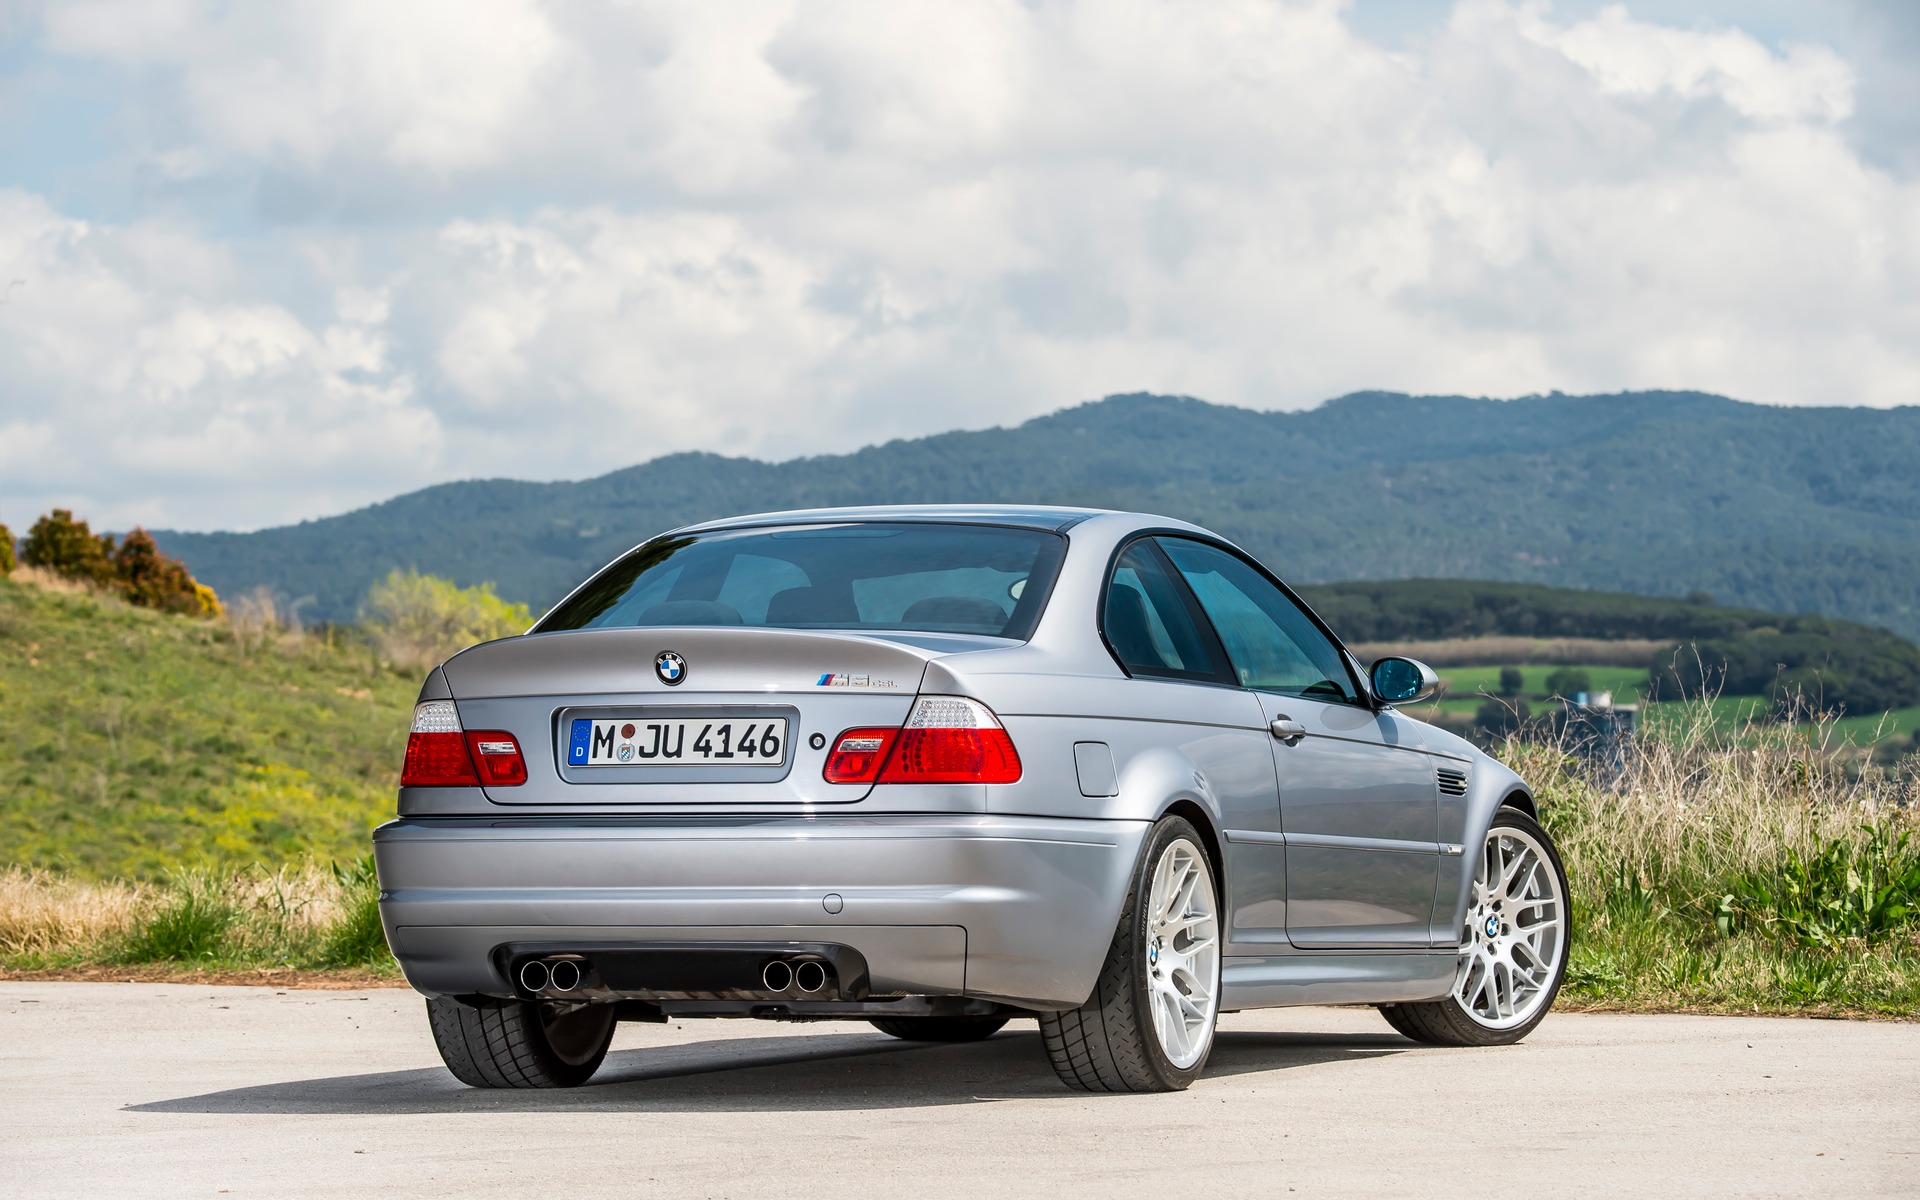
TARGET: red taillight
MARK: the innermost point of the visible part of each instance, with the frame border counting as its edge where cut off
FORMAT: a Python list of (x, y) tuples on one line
[(953, 756), (947, 739), (438, 760), (857, 754), (441, 754), (498, 754)]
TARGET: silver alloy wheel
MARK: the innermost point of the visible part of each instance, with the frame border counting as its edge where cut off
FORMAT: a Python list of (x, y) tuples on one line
[(1516, 932), (1183, 953)]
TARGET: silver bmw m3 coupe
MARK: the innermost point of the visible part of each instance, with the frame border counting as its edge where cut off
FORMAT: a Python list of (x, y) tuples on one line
[(939, 768)]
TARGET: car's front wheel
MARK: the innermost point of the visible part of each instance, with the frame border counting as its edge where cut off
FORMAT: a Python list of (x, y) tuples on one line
[(1513, 948), (1148, 1026), (521, 1043)]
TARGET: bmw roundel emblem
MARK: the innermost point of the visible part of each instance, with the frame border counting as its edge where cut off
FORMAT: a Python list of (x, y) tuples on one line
[(670, 667)]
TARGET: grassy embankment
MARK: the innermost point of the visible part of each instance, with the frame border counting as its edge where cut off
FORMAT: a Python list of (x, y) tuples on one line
[(180, 790), (1743, 871)]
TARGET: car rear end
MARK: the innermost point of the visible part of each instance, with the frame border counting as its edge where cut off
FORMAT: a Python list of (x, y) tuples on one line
[(714, 782)]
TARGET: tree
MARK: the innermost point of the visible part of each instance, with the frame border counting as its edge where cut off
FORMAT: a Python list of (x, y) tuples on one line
[(152, 580), (420, 620), (6, 550), (1568, 682), (1498, 718), (1512, 679), (60, 544)]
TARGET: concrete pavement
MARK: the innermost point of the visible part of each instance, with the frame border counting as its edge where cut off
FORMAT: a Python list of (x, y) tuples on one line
[(159, 1090)]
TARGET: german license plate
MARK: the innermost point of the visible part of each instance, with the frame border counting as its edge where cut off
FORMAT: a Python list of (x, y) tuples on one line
[(638, 742)]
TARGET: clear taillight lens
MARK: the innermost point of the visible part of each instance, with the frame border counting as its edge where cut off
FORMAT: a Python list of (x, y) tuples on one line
[(947, 739), (441, 754)]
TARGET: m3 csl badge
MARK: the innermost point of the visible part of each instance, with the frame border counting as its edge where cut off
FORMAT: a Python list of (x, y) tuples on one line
[(670, 667)]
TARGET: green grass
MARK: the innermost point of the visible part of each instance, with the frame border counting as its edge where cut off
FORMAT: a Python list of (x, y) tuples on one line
[(135, 744), (1467, 689), (1861, 730), (1625, 683), (1742, 872)]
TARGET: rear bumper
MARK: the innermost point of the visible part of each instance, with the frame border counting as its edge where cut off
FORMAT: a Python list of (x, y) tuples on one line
[(1016, 909)]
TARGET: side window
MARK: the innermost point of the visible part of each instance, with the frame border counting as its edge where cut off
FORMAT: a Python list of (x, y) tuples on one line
[(1148, 623), (1274, 646)]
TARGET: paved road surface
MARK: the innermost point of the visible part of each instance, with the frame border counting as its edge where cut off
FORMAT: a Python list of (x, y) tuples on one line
[(152, 1090)]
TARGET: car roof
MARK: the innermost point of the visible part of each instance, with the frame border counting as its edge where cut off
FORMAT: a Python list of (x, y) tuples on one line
[(1030, 516)]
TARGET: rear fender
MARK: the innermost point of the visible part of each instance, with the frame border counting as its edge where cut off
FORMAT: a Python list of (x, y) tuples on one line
[(1160, 783)]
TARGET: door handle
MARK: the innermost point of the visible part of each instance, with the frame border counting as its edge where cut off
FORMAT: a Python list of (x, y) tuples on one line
[(1288, 730)]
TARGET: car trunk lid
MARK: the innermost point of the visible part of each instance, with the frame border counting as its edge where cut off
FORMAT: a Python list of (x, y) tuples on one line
[(549, 689)]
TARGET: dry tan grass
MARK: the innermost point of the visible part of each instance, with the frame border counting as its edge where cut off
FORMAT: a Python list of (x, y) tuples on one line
[(48, 581), (1702, 803), (43, 913), (1480, 651)]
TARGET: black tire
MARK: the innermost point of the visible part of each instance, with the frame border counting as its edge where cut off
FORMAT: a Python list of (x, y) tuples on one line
[(520, 1043), (939, 1029), (1445, 1022), (1108, 1044)]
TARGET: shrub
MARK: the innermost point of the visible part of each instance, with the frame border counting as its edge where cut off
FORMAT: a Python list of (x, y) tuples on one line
[(65, 546), (1830, 666), (1512, 679), (193, 923), (135, 568), (1865, 889), (1568, 682), (150, 579), (420, 620), (6, 551), (1501, 718)]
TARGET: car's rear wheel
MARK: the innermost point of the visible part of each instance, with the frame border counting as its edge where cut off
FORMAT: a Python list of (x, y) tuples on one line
[(493, 1043), (1148, 1027), (939, 1029), (1513, 949)]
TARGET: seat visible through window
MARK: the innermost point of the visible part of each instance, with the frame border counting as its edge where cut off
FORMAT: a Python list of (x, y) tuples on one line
[(1148, 622)]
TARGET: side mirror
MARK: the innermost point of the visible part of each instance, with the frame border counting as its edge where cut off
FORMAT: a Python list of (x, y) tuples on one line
[(1402, 681)]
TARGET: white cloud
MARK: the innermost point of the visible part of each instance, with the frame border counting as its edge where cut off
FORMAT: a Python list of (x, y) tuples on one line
[(145, 381), (562, 237)]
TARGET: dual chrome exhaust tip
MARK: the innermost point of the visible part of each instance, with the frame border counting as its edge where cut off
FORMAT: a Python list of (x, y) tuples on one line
[(558, 974), (563, 974), (808, 975)]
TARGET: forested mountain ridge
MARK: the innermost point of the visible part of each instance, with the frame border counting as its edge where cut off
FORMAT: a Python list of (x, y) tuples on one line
[(1660, 493)]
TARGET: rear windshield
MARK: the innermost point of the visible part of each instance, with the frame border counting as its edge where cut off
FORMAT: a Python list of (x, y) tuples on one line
[(929, 578)]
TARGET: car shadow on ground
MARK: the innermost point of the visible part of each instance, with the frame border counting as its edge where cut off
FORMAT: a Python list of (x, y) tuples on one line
[(851, 1071)]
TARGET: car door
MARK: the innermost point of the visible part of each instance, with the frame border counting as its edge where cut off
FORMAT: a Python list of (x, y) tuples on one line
[(1358, 804), (1181, 700)]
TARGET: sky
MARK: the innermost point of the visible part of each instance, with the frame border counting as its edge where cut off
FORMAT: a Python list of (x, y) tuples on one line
[(262, 262)]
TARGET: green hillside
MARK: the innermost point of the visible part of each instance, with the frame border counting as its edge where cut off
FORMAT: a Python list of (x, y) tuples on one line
[(1798, 510), (134, 742), (1431, 609)]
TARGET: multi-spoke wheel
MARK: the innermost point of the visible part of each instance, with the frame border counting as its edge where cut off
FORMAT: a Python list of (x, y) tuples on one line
[(1513, 948), (1149, 1024)]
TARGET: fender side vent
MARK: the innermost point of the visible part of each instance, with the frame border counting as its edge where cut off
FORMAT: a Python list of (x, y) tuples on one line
[(1452, 782)]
